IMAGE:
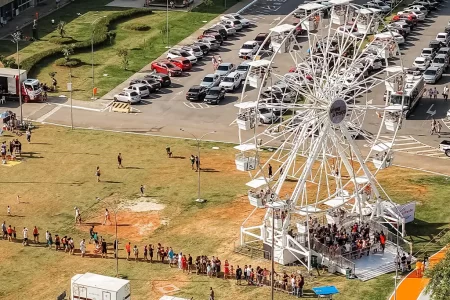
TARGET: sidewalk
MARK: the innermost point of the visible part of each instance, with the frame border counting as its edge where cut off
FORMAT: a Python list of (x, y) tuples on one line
[(26, 18)]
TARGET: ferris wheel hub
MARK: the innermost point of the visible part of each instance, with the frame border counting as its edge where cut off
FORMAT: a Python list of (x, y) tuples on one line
[(337, 111)]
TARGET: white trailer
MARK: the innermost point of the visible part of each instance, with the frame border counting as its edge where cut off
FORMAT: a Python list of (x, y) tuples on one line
[(91, 286)]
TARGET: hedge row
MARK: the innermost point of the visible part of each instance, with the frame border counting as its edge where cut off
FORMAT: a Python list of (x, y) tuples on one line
[(100, 36)]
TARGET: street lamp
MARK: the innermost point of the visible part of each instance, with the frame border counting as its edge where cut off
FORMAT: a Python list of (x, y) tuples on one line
[(16, 38), (198, 140), (167, 24), (114, 210), (92, 54)]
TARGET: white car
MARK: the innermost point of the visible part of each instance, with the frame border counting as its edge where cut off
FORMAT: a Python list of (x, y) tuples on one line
[(400, 25), (228, 28), (231, 82), (233, 23), (173, 53), (388, 36), (420, 16), (428, 52), (443, 37), (422, 63), (383, 8), (420, 8), (350, 30), (267, 116), (245, 22), (193, 50), (249, 49), (139, 88), (128, 96)]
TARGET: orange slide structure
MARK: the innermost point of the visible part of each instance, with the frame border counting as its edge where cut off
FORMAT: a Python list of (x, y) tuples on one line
[(412, 286)]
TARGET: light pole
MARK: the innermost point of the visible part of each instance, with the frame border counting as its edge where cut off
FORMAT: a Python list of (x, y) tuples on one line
[(167, 24), (114, 210), (92, 55), (198, 140), (16, 38)]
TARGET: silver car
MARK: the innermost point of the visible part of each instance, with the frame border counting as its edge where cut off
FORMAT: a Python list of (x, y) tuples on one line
[(440, 61), (432, 74), (422, 63), (210, 80), (243, 69), (211, 42), (129, 96), (224, 69)]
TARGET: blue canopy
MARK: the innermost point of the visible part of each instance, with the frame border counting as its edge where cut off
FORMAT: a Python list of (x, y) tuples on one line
[(325, 290)]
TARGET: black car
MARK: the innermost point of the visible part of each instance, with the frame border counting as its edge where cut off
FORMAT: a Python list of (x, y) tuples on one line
[(435, 45), (164, 79), (203, 47), (215, 30), (196, 93), (260, 38), (215, 95), (152, 84), (216, 36)]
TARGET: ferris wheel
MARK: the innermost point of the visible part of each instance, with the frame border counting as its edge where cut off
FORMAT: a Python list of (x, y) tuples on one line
[(313, 139)]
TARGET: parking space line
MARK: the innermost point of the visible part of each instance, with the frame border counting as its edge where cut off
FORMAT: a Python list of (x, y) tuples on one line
[(404, 144)]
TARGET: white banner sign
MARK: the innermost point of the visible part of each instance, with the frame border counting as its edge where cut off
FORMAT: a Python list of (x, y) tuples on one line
[(408, 211)]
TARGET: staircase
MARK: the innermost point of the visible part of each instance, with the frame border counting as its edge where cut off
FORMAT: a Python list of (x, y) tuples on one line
[(381, 270)]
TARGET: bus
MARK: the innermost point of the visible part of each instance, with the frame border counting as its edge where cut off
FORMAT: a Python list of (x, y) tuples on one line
[(413, 92)]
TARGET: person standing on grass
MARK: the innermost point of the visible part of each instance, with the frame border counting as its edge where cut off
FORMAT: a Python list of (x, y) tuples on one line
[(50, 241), (238, 275), (128, 248), (145, 253), (107, 217), (197, 163), (25, 236), (8, 210), (91, 234), (192, 160), (170, 255), (71, 246), (104, 249), (211, 293), (270, 171), (57, 242), (47, 235), (5, 234), (136, 253), (83, 247), (150, 250), (301, 284), (119, 161), (189, 264), (35, 235), (115, 248), (142, 190), (97, 173), (10, 233), (28, 134)]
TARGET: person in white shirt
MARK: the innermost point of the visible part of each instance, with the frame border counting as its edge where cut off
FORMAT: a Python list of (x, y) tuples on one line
[(77, 214), (83, 247), (25, 236)]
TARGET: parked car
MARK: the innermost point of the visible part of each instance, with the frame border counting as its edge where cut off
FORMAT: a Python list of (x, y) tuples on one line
[(420, 8), (444, 146), (193, 50), (245, 22), (400, 25), (213, 35), (152, 84), (441, 61), (214, 30), (384, 8), (224, 69), (230, 30), (260, 38), (181, 53), (233, 23), (204, 47), (349, 30), (436, 45), (196, 93), (243, 69), (214, 95), (400, 31), (249, 49), (422, 63), (428, 52), (210, 80), (420, 16), (128, 96), (445, 51), (231, 82), (428, 5), (432, 75), (388, 36), (443, 38), (210, 42), (267, 116), (182, 63), (407, 18), (139, 88), (166, 67), (164, 79)]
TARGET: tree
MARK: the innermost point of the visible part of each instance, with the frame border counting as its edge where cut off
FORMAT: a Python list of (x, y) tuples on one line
[(111, 36), (67, 52), (61, 28), (439, 274), (123, 54)]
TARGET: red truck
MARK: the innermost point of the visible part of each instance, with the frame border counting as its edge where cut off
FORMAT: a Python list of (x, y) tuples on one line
[(11, 82)]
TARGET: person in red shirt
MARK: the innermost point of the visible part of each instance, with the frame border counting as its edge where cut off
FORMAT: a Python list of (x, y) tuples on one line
[(10, 232), (382, 241), (128, 248), (36, 235)]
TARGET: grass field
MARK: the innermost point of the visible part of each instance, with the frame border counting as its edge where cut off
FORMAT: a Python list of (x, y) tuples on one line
[(58, 174)]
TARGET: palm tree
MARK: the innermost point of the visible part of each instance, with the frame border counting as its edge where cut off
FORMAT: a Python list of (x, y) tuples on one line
[(61, 28)]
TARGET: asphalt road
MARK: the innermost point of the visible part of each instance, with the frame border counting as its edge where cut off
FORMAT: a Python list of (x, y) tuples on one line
[(166, 112)]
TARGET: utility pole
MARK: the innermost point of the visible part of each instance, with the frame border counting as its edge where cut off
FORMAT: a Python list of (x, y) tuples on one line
[(16, 38), (92, 56)]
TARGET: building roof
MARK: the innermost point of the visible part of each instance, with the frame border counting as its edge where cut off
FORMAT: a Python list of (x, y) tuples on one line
[(101, 282), (10, 72)]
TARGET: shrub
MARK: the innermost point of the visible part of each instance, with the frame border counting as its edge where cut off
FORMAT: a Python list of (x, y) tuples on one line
[(100, 36), (61, 40), (137, 27), (73, 62)]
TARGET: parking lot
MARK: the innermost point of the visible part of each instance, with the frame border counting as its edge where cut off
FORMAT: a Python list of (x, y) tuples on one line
[(165, 112)]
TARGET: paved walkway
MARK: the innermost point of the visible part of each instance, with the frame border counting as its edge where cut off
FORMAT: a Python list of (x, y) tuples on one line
[(411, 287), (27, 17)]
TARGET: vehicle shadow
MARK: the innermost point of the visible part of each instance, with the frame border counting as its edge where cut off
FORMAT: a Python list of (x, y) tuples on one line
[(228, 99)]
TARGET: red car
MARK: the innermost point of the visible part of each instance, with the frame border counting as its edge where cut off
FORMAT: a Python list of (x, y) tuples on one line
[(166, 67), (182, 63)]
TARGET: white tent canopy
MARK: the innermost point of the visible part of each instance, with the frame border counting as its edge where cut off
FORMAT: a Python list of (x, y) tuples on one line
[(256, 183), (282, 28), (310, 6), (245, 147), (381, 147), (245, 105)]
